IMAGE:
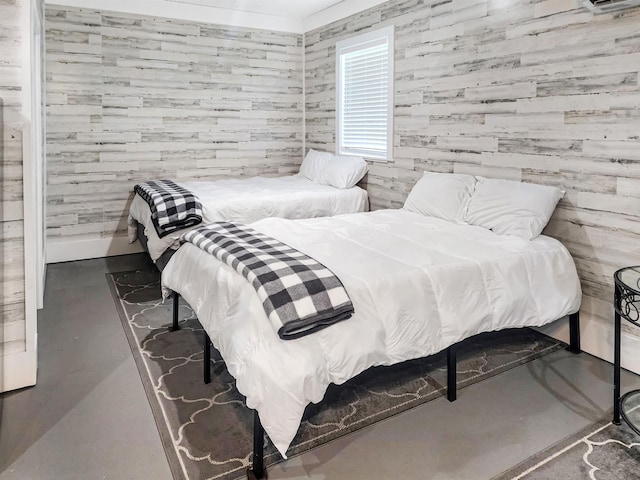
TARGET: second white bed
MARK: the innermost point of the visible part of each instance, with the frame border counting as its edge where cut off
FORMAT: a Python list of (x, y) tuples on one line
[(246, 200), (418, 285)]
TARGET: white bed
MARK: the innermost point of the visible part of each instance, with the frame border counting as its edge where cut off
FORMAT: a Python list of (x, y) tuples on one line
[(250, 199), (418, 284)]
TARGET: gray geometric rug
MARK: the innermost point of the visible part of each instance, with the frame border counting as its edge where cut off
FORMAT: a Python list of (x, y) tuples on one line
[(601, 451), (206, 430)]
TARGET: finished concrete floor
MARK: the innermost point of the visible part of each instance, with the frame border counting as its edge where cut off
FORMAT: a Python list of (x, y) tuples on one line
[(88, 417)]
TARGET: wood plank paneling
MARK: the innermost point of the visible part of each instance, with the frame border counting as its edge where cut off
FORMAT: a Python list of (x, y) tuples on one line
[(539, 91), (132, 98), (12, 278)]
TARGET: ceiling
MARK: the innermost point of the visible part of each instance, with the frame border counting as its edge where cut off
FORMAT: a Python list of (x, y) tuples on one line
[(290, 8), (297, 16)]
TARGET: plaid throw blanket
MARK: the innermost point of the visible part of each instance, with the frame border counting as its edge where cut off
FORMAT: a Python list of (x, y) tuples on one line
[(299, 295), (172, 207)]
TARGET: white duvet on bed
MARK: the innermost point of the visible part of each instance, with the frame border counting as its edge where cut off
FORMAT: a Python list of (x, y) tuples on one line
[(249, 199), (418, 284)]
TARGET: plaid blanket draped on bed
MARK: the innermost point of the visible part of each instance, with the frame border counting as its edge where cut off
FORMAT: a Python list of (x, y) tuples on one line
[(299, 295), (172, 206)]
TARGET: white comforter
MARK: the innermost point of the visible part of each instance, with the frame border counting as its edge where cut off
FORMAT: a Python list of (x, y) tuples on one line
[(249, 199), (418, 284)]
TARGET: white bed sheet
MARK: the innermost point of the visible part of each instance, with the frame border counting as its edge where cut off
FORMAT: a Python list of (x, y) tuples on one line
[(418, 284), (247, 200)]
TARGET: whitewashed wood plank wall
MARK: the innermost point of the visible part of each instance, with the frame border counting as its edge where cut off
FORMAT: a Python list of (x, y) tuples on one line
[(539, 91), (132, 98), (12, 283)]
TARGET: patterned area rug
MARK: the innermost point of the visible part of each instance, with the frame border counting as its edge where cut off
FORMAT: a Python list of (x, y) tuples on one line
[(601, 451), (206, 429)]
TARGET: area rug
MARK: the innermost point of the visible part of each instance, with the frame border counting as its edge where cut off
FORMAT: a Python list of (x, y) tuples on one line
[(207, 430), (601, 451)]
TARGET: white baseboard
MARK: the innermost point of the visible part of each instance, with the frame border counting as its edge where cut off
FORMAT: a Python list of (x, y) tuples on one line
[(17, 370), (596, 338), (59, 250)]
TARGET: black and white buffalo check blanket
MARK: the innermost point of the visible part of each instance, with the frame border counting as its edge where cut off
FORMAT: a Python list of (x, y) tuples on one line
[(299, 295), (172, 206)]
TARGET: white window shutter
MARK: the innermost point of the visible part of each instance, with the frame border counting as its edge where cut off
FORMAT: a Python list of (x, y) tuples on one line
[(365, 95)]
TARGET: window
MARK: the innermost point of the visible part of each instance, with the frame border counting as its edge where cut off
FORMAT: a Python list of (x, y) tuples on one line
[(364, 86)]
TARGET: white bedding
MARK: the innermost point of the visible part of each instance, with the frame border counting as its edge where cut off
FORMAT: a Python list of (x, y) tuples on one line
[(249, 199), (418, 285)]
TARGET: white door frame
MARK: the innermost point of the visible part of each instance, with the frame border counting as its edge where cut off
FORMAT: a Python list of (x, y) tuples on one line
[(20, 369), (38, 128)]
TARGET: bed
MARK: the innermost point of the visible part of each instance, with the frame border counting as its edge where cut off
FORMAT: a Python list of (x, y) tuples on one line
[(419, 285), (322, 188)]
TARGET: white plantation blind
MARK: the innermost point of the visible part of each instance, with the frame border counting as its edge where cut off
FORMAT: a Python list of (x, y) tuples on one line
[(364, 67)]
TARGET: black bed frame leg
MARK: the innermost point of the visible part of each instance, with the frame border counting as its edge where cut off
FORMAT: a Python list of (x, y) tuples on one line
[(176, 311), (574, 333), (257, 471), (207, 358), (451, 373)]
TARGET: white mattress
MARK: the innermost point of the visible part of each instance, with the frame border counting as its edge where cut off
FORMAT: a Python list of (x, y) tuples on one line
[(418, 285), (249, 199)]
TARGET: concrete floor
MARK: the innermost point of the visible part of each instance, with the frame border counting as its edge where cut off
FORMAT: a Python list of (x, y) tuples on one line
[(88, 417)]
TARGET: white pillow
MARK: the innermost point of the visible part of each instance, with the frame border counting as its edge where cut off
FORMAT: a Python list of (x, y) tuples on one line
[(512, 208), (344, 171), (314, 164), (442, 195)]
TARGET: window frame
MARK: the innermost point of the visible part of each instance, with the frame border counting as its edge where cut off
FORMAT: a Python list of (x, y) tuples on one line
[(355, 44)]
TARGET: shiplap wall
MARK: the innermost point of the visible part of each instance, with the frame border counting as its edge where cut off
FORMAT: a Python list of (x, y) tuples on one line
[(539, 91), (12, 283), (132, 98)]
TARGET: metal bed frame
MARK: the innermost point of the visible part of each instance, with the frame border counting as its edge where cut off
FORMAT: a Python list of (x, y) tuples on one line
[(162, 261), (258, 471)]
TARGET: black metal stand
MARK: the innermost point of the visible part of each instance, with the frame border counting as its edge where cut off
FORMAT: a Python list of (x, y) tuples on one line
[(626, 306), (616, 356), (207, 357), (257, 471), (451, 373), (176, 311), (574, 333)]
